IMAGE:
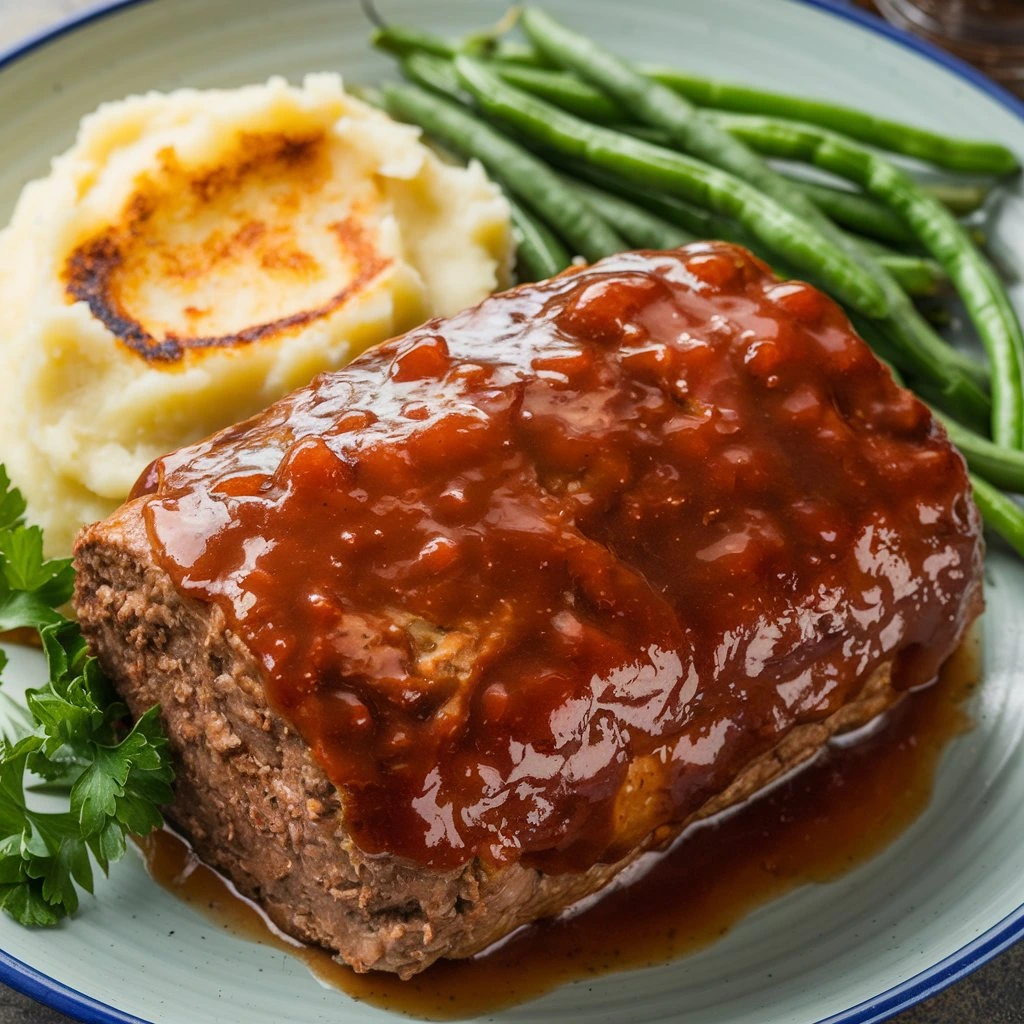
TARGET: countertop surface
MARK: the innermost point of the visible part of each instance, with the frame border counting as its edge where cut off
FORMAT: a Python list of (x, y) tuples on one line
[(992, 995)]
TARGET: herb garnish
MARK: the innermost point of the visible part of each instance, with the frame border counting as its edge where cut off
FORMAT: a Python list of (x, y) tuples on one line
[(74, 737)]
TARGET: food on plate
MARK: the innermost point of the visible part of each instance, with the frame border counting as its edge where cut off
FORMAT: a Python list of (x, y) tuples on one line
[(523, 64), (643, 164), (539, 252), (767, 220), (712, 138), (953, 154), (445, 639), (907, 327), (196, 255), (651, 138)]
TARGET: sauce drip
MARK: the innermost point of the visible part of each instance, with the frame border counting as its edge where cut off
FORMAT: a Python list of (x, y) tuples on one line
[(817, 825), (645, 517)]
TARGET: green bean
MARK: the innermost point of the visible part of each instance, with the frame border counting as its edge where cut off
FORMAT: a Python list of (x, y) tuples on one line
[(1001, 514), (646, 230), (1000, 466), (886, 231), (672, 172), (657, 106), (698, 134), (401, 41), (539, 253), (920, 276), (857, 212), (958, 199), (942, 150), (936, 228), (511, 52), (691, 219), (563, 90), (877, 248), (518, 170), (916, 275), (676, 223), (962, 199), (433, 73), (850, 209), (638, 226)]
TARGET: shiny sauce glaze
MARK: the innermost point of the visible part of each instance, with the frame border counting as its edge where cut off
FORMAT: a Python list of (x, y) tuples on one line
[(811, 828), (664, 507)]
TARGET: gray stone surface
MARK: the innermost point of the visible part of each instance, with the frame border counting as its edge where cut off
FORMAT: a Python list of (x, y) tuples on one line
[(992, 995)]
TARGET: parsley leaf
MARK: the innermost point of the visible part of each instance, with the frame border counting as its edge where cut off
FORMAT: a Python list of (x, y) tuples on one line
[(72, 731), (12, 504)]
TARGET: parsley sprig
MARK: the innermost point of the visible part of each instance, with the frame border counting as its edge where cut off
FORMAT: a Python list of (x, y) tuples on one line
[(72, 737)]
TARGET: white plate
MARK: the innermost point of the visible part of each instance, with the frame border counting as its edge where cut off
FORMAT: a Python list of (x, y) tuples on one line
[(946, 896)]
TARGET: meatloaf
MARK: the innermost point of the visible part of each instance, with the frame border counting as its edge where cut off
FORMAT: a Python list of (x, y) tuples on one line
[(446, 639)]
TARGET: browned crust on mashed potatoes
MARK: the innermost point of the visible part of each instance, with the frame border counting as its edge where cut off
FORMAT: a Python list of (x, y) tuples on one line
[(196, 255), (113, 271)]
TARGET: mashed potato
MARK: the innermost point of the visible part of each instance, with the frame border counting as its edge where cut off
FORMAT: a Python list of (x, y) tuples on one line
[(196, 255)]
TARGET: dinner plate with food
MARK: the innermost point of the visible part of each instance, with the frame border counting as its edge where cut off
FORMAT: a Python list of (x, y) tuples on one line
[(507, 514)]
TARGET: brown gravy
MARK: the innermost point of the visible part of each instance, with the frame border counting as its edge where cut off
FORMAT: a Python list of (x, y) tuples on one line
[(812, 828)]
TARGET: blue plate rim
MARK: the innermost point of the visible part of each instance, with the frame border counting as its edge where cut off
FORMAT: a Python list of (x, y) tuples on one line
[(31, 982)]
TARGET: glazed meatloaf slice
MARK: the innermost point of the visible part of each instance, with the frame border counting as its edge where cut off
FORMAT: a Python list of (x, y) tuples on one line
[(254, 802), (447, 639)]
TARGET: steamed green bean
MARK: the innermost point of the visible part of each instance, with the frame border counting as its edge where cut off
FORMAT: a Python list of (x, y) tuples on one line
[(638, 226), (675, 173), (526, 177), (539, 252), (954, 154), (1001, 514)]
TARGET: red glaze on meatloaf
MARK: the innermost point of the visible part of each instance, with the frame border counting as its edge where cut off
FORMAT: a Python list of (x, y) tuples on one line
[(537, 584)]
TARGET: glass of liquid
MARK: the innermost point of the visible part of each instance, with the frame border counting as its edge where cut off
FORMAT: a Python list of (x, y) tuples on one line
[(988, 33)]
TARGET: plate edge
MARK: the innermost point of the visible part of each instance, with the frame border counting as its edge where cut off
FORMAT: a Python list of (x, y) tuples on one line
[(31, 982), (874, 23), (36, 40)]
